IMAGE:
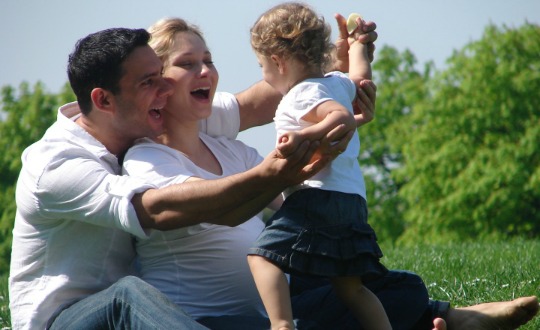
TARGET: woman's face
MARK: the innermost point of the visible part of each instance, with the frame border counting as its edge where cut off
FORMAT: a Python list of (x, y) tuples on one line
[(194, 78)]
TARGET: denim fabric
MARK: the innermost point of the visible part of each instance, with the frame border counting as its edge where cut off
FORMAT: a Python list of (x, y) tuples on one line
[(316, 307), (403, 295), (133, 304), (322, 233), (130, 303)]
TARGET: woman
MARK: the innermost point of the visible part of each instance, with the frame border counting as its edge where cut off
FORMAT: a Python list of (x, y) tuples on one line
[(201, 268)]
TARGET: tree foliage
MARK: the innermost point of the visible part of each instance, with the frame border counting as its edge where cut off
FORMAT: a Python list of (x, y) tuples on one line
[(25, 116), (400, 87), (472, 154), (454, 155)]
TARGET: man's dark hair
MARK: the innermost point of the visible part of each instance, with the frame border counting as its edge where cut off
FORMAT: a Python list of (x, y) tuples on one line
[(97, 61)]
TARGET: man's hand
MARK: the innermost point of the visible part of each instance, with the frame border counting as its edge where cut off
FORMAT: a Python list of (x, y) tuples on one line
[(364, 104), (368, 37), (293, 166)]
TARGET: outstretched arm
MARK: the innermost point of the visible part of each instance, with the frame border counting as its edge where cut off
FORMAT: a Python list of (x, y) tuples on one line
[(367, 35), (359, 62), (221, 200), (326, 117)]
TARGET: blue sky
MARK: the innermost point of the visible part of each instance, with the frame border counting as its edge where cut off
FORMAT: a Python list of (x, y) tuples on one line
[(37, 36)]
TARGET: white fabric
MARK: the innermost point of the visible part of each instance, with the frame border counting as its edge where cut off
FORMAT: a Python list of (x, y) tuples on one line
[(225, 118), (344, 173), (74, 216), (74, 219), (202, 268)]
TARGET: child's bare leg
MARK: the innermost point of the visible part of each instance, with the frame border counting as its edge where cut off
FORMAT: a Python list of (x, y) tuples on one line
[(274, 290), (365, 306)]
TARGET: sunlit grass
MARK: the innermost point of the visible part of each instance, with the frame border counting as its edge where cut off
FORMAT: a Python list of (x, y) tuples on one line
[(5, 319), (472, 273), (463, 274)]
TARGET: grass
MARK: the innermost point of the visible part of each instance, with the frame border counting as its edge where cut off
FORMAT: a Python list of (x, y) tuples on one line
[(5, 319), (471, 273), (463, 274)]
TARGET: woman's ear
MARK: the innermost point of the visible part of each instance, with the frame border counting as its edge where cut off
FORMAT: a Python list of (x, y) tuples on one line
[(102, 99)]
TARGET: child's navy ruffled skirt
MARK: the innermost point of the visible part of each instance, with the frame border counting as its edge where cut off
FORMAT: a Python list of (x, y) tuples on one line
[(322, 233)]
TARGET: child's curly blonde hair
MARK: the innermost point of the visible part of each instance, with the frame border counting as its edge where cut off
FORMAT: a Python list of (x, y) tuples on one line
[(294, 30)]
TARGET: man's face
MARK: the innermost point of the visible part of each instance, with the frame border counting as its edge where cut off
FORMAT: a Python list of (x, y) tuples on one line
[(143, 93)]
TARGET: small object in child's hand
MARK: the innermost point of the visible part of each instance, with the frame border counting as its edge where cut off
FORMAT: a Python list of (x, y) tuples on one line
[(351, 22)]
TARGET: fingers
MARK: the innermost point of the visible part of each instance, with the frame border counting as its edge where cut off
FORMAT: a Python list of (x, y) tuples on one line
[(366, 29), (337, 148), (342, 26), (288, 142), (369, 26), (312, 166), (336, 134), (367, 92), (364, 107), (371, 51)]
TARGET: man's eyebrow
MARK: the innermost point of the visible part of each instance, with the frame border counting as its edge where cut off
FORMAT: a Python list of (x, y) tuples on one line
[(150, 74)]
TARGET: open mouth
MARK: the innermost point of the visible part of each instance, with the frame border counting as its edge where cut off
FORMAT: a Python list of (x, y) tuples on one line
[(201, 93), (155, 113)]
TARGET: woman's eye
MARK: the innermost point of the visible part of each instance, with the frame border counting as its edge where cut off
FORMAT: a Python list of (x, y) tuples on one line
[(185, 65)]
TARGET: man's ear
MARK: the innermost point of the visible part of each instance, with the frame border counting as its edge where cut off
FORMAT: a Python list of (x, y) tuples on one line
[(102, 99)]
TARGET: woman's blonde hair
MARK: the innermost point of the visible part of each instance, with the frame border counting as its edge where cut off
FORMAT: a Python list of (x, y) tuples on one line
[(293, 29), (163, 34)]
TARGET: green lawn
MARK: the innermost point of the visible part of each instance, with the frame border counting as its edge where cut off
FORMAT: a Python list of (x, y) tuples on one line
[(463, 274), (472, 273)]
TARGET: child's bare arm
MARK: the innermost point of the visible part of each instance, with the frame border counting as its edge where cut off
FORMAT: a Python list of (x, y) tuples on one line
[(359, 63), (326, 117)]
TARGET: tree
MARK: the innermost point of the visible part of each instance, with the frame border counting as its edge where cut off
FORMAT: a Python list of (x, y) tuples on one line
[(472, 159), (400, 87), (24, 118)]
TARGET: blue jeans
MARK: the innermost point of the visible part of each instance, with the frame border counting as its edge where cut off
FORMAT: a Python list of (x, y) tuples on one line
[(130, 303), (316, 306)]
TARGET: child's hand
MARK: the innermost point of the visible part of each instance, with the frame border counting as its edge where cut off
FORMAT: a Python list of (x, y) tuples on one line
[(367, 35), (355, 28), (288, 142), (353, 22)]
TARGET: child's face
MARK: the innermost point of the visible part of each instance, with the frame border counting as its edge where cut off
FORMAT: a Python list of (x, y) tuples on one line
[(271, 71)]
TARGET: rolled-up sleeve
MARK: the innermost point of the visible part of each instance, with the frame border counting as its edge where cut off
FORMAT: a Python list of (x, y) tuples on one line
[(78, 187)]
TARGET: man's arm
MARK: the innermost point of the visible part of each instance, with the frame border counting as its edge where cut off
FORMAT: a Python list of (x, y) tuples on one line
[(226, 200)]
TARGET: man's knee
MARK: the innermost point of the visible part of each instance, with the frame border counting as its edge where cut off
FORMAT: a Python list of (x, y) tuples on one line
[(132, 285)]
